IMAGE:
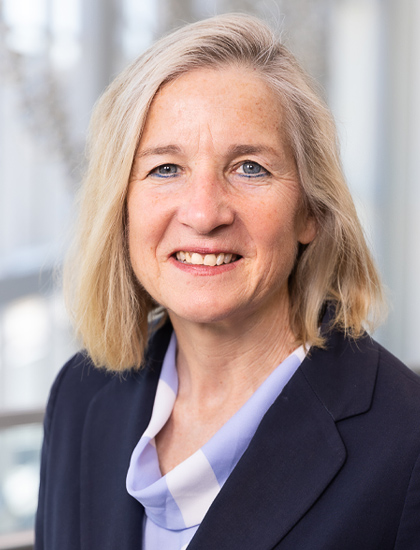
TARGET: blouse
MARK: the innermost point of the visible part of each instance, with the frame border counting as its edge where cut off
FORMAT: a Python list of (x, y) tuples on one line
[(176, 503)]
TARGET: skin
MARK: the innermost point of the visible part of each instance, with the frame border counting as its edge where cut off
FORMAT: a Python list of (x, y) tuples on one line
[(213, 173)]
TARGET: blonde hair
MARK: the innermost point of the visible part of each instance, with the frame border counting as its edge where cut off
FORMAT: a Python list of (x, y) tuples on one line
[(109, 307)]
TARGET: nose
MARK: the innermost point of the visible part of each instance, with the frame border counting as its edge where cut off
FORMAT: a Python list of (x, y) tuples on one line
[(207, 204)]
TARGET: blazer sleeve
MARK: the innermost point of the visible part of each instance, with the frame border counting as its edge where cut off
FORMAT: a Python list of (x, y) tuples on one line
[(408, 535), (75, 386), (41, 514)]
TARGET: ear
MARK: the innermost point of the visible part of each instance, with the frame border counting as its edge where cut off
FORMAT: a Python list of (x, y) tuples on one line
[(308, 229)]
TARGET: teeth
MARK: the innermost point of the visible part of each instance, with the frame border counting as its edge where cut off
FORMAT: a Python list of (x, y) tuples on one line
[(210, 259), (228, 258), (195, 258)]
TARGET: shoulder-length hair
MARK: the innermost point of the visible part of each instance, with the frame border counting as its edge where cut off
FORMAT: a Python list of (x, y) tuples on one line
[(108, 304)]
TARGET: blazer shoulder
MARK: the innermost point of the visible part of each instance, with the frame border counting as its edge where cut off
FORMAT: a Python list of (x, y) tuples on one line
[(79, 382), (347, 375), (399, 383), (388, 361), (75, 385), (395, 385), (80, 369)]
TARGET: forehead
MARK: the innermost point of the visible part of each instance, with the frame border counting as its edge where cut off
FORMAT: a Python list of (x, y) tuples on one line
[(231, 99), (220, 81)]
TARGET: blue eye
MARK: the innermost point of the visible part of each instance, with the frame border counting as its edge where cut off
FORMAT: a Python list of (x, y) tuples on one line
[(165, 171), (252, 169)]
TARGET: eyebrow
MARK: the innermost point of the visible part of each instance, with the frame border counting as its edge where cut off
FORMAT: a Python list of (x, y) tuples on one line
[(240, 150), (165, 150), (234, 150)]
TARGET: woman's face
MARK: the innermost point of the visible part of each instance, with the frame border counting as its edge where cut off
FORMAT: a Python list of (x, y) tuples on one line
[(214, 205)]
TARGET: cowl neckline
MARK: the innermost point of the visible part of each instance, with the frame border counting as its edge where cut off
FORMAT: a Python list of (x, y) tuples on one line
[(180, 499)]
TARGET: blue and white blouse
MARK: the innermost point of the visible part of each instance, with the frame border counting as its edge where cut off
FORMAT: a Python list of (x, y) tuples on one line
[(176, 503)]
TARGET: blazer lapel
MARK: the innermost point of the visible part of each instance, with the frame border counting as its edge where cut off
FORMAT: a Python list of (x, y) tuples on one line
[(296, 452), (117, 417)]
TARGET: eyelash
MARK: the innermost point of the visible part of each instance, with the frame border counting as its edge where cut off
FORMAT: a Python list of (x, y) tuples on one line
[(263, 172)]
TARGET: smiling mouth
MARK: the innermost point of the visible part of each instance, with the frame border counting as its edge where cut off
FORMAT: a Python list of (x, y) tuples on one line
[(194, 258)]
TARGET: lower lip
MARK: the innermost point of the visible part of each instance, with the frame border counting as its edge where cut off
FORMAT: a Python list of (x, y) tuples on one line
[(204, 270)]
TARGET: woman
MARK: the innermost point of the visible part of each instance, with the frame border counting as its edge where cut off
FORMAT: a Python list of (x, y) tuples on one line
[(253, 411)]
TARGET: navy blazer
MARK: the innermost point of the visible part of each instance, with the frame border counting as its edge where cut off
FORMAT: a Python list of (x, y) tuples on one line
[(334, 464)]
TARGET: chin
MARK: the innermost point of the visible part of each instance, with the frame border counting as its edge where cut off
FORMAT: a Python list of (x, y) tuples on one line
[(202, 313)]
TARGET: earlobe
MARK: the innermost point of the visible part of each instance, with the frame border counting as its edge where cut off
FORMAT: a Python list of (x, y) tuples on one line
[(309, 230)]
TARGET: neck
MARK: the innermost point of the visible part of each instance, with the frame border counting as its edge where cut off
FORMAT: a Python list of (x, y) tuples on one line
[(228, 360)]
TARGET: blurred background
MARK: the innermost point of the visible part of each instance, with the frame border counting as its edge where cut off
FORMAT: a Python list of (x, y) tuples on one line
[(57, 56)]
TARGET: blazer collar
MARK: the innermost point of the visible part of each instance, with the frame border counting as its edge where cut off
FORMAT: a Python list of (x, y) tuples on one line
[(343, 375)]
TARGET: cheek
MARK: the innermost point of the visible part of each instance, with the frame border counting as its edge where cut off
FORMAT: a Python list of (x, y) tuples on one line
[(274, 226), (148, 223), (276, 236), (134, 227), (143, 214), (138, 225), (141, 254)]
